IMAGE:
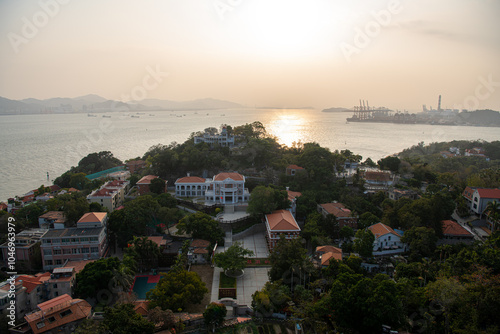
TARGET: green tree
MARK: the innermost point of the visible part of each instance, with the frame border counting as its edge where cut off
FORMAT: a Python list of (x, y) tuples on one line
[(346, 232), (288, 261), (214, 315), (422, 241), (201, 226), (166, 200), (79, 181), (95, 276), (165, 317), (233, 260), (389, 163), (363, 243), (264, 200), (145, 252), (30, 213), (133, 179), (75, 208), (122, 319), (493, 211), (272, 298), (367, 219), (157, 186), (90, 326), (176, 290)]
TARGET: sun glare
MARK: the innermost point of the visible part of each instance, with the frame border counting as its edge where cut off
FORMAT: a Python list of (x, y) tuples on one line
[(287, 128)]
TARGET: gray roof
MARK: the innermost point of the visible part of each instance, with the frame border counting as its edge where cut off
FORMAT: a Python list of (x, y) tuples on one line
[(73, 232)]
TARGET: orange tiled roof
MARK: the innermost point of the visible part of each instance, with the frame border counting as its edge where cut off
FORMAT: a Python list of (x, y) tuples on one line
[(453, 228), (104, 192), (141, 306), (200, 243), (293, 194), (328, 248), (158, 240), (468, 191), (78, 265), (282, 220), (380, 229), (337, 209), (190, 179), (232, 176), (326, 257), (200, 251), (71, 190), (50, 314), (147, 179), (32, 282), (91, 217), (294, 167)]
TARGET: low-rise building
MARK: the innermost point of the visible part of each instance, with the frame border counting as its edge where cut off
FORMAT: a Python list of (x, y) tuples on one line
[(344, 216), (454, 233), (378, 180), (214, 138), (325, 254), (20, 307), (387, 241), (27, 246), (111, 195), (135, 166), (227, 188), (198, 252), (292, 170), (481, 197), (59, 246), (61, 314), (191, 186), (92, 220), (280, 222), (292, 197), (52, 219), (395, 194), (144, 183)]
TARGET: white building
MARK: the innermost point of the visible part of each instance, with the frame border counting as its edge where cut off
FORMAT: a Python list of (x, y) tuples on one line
[(222, 139), (387, 241), (111, 195), (227, 188), (191, 186)]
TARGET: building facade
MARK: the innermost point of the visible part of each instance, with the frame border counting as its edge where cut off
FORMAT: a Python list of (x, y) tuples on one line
[(191, 186), (111, 195), (223, 138), (344, 216), (27, 246), (227, 188), (278, 223), (387, 241)]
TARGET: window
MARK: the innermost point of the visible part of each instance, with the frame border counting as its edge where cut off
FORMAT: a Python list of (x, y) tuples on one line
[(40, 324), (67, 251), (65, 240), (65, 313), (55, 285), (47, 252), (51, 319), (57, 252), (94, 249), (58, 261), (85, 250), (48, 262)]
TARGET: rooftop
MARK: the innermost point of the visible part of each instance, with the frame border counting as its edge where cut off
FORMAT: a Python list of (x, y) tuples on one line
[(282, 220), (56, 216), (380, 229), (452, 228), (378, 176), (74, 232), (337, 209), (232, 176), (489, 193), (147, 179), (190, 179), (200, 243), (93, 217), (294, 167), (293, 194)]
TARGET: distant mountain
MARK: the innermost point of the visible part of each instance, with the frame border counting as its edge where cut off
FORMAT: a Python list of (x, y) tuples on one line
[(95, 103), (336, 110), (481, 117)]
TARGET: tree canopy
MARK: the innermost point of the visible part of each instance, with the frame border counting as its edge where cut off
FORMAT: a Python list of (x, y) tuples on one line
[(233, 259), (201, 226)]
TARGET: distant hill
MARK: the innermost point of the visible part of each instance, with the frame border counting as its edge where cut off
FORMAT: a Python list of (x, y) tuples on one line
[(481, 117), (95, 103), (336, 109)]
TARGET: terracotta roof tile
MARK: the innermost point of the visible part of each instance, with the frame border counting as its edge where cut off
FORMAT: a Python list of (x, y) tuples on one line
[(294, 167), (489, 193), (200, 243), (190, 179), (147, 179), (337, 209), (378, 176), (91, 217), (232, 176), (380, 229), (452, 228), (282, 220), (293, 194)]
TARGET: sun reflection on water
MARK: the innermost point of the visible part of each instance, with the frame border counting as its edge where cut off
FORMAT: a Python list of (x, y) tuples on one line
[(288, 128)]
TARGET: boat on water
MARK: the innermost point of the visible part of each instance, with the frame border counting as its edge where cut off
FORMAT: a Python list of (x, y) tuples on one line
[(106, 116), (134, 116), (90, 115)]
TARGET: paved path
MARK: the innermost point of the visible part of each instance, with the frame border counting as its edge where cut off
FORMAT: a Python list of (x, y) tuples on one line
[(254, 278)]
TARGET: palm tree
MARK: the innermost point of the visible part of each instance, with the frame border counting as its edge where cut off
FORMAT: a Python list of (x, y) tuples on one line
[(493, 211)]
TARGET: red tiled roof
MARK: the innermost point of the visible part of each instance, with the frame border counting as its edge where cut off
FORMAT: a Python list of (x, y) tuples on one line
[(489, 193), (200, 251), (3, 206), (141, 307), (32, 282), (147, 179), (54, 187), (282, 220), (337, 209), (293, 194), (104, 192), (115, 183), (294, 167), (200, 243), (232, 176), (380, 229), (136, 162), (453, 228), (71, 190), (78, 265), (190, 179), (158, 240), (468, 191), (91, 217), (53, 308), (328, 253)]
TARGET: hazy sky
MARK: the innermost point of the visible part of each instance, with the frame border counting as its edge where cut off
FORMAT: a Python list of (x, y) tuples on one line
[(282, 53)]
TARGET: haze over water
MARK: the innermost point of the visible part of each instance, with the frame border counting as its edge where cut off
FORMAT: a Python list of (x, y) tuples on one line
[(33, 145)]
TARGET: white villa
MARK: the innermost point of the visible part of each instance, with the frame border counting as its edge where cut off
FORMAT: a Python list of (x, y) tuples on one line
[(227, 188), (387, 241), (191, 186), (222, 139)]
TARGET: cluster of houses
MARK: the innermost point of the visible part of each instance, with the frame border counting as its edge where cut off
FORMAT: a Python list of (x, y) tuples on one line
[(470, 152)]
